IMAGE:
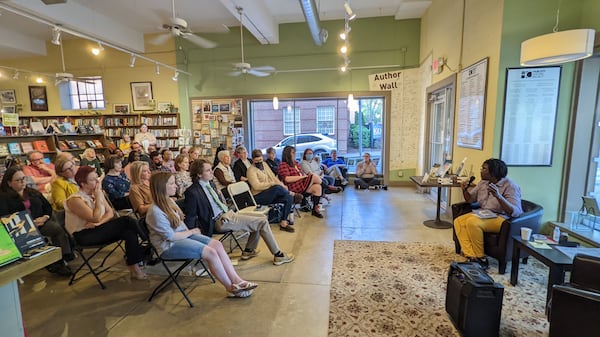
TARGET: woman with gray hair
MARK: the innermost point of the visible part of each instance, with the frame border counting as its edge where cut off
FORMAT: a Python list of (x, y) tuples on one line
[(223, 173), (240, 167)]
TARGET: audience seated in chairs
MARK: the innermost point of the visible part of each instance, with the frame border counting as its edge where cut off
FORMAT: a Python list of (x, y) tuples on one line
[(311, 164), (240, 166), (267, 189), (65, 184), (272, 160), (16, 197), (42, 174), (139, 192), (173, 240), (224, 173), (495, 192), (89, 158), (90, 220), (336, 167), (204, 208), (182, 174), (297, 181), (116, 184)]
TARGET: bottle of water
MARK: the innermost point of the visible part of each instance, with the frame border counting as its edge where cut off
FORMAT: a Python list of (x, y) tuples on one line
[(556, 234)]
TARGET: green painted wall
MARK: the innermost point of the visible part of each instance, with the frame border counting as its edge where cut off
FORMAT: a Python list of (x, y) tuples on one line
[(374, 41), (523, 20)]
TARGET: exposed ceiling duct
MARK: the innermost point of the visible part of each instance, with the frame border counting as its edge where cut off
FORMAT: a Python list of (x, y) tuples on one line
[(311, 14), (54, 2)]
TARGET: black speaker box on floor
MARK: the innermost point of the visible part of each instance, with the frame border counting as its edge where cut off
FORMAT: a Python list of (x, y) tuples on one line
[(473, 300)]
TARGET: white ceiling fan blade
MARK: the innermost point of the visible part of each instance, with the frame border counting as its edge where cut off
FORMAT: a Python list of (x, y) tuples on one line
[(198, 40), (264, 68), (258, 73), (160, 39), (235, 73)]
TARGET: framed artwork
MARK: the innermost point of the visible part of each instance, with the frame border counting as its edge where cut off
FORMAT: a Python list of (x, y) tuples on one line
[(11, 109), (206, 106), (225, 107), (121, 108), (141, 94), (163, 107), (8, 96), (471, 105), (530, 107), (215, 108), (38, 98)]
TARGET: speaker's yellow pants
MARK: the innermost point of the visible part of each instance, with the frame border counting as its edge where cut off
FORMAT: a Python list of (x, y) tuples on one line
[(469, 231)]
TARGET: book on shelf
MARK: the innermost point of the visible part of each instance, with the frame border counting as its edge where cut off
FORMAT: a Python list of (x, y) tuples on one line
[(98, 143), (2, 130), (26, 147), (63, 145), (37, 128), (90, 144), (82, 144), (41, 145), (14, 148), (4, 149), (71, 144)]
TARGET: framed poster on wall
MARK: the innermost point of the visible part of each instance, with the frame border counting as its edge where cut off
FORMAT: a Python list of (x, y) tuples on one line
[(471, 105), (141, 94), (530, 105)]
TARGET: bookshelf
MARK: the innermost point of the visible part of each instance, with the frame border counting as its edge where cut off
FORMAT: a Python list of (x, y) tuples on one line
[(164, 126), (18, 146), (77, 143)]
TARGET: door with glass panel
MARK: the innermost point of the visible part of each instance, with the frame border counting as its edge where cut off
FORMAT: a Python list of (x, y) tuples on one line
[(441, 129)]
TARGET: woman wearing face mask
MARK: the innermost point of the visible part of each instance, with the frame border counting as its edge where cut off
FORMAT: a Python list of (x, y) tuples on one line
[(267, 189), (311, 164)]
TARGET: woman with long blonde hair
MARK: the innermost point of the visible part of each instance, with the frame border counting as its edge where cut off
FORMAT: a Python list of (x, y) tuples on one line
[(173, 240), (139, 192)]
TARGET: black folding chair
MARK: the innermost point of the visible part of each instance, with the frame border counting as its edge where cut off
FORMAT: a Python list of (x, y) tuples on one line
[(172, 274)]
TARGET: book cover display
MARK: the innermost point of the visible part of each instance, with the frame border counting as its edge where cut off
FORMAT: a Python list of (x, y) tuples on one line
[(21, 228), (14, 148), (8, 250)]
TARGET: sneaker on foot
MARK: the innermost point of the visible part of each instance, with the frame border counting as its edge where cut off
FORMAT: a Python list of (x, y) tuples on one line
[(384, 187), (248, 255), (372, 187), (279, 260)]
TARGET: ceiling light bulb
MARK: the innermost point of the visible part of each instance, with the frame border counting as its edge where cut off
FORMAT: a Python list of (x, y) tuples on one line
[(344, 49), (55, 36), (175, 77), (132, 61), (343, 68), (39, 80), (343, 36), (96, 51), (275, 103), (157, 69), (350, 14)]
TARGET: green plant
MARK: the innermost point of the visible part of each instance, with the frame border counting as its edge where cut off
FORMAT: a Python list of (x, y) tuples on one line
[(354, 135)]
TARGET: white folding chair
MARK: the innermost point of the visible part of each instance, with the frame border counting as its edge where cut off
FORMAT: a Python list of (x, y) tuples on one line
[(243, 200)]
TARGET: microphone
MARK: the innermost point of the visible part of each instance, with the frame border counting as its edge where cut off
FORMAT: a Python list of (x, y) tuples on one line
[(471, 180)]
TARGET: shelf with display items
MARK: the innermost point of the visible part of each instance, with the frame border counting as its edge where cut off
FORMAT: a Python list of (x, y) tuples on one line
[(19, 146), (77, 143), (164, 126)]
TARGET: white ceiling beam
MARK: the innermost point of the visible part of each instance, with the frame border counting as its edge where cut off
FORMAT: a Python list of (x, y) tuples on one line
[(15, 44), (258, 19), (85, 20), (412, 9)]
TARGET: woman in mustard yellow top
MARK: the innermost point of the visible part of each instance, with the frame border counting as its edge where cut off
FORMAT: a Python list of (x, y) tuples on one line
[(125, 145), (65, 184)]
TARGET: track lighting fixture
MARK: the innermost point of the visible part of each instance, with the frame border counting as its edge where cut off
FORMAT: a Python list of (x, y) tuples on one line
[(275, 103), (344, 49), (157, 69), (97, 50), (343, 68), (39, 80), (343, 36), (349, 13), (175, 77), (56, 32), (132, 61)]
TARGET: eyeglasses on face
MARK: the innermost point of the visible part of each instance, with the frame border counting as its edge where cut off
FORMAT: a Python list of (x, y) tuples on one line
[(18, 180), (36, 159)]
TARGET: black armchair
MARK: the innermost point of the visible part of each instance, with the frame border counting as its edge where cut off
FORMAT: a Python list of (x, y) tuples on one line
[(574, 307), (498, 245)]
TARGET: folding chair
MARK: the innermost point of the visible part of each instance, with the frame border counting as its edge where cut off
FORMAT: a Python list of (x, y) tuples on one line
[(79, 248), (120, 212), (228, 234), (172, 275), (243, 200)]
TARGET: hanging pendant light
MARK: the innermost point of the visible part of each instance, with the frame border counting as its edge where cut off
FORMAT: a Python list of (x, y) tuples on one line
[(558, 47), (275, 103)]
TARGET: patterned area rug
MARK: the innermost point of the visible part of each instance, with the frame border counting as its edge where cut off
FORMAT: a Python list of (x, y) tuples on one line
[(399, 289)]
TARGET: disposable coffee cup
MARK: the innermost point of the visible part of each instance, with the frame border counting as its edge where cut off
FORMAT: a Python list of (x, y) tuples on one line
[(526, 233)]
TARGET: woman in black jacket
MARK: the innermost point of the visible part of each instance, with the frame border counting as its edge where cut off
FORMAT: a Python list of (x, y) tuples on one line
[(16, 197)]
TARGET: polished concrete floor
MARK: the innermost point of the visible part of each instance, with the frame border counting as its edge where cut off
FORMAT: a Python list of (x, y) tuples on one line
[(292, 299)]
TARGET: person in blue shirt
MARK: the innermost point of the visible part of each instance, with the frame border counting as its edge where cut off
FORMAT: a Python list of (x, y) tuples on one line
[(115, 183), (336, 167)]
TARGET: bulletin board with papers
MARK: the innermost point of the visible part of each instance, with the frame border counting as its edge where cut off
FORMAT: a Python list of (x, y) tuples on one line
[(216, 123), (471, 105), (530, 105)]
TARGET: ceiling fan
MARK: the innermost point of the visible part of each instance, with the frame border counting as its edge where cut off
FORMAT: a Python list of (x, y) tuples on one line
[(246, 68), (64, 76), (179, 27)]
